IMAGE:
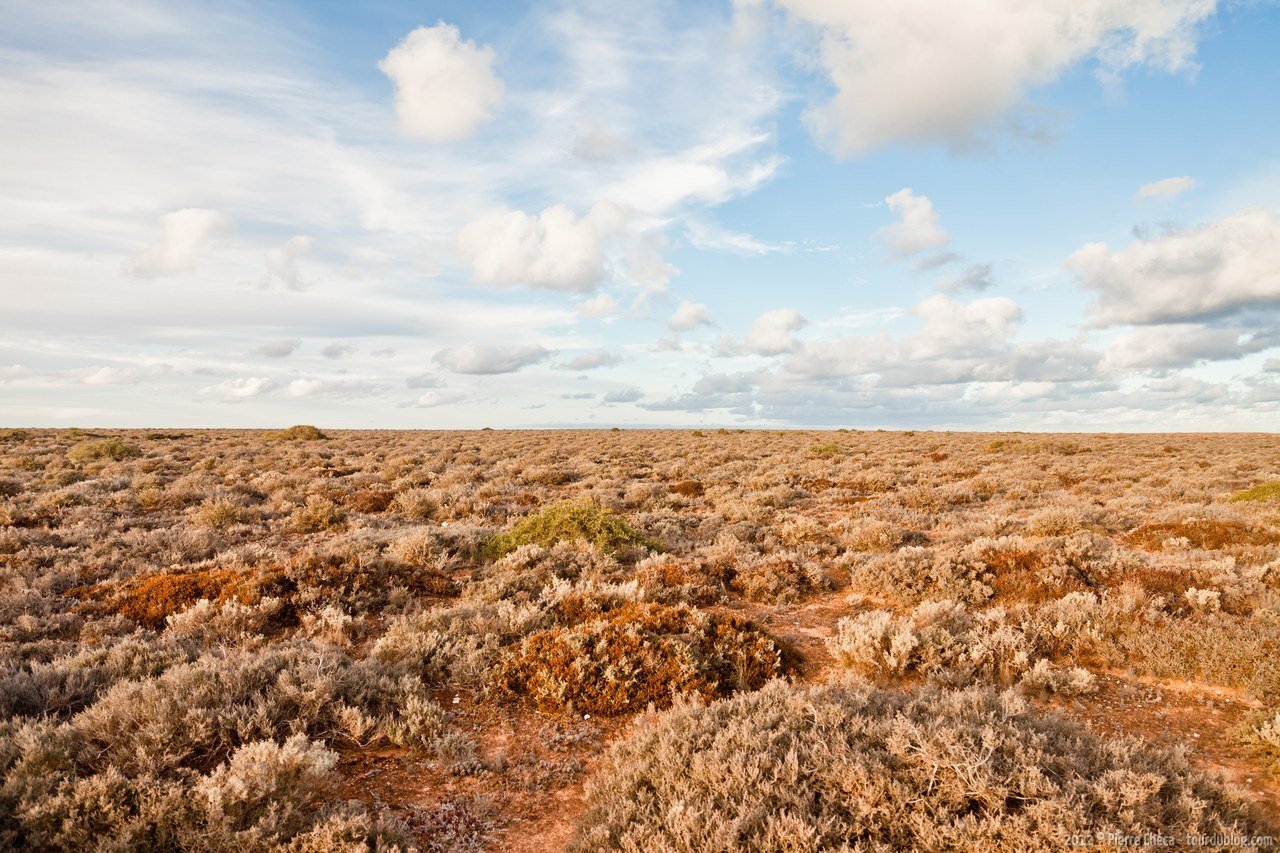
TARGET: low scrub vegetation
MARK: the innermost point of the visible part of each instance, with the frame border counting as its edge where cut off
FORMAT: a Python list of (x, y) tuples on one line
[(732, 640), (848, 766)]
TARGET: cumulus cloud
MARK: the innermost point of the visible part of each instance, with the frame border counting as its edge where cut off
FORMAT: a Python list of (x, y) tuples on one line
[(485, 359), (773, 332), (1182, 344), (1210, 270), (183, 234), (305, 387), (555, 249), (689, 315), (445, 87), (626, 395), (917, 228), (283, 261), (240, 389), (936, 70), (279, 349), (1167, 188), (593, 360), (952, 327)]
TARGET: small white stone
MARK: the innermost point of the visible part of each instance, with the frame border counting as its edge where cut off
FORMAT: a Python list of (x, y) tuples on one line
[(586, 716), (456, 700)]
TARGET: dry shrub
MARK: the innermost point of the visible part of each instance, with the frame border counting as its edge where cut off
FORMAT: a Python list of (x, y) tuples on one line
[(637, 655), (358, 581), (369, 500), (850, 767), (870, 534), (218, 513), (300, 432), (569, 520), (1025, 571), (1056, 521), (945, 641), (689, 489), (669, 579), (103, 448), (777, 577), (416, 504), (915, 574), (1209, 534), (151, 600), (319, 515)]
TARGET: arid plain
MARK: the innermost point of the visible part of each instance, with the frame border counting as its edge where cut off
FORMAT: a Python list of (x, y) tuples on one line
[(637, 640)]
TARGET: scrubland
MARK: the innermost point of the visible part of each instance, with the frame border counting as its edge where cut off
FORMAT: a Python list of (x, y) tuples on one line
[(636, 640)]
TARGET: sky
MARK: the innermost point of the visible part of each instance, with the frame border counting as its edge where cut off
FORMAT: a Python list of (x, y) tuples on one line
[(998, 214)]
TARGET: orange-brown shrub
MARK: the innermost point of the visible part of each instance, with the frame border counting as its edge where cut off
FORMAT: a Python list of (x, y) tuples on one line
[(369, 500), (1204, 533), (151, 600), (640, 654), (1024, 574), (689, 489)]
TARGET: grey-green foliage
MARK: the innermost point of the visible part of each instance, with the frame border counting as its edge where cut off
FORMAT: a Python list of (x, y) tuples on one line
[(850, 767)]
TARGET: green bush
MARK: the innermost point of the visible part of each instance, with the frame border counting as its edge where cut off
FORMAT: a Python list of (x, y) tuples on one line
[(849, 767), (1261, 492), (568, 520)]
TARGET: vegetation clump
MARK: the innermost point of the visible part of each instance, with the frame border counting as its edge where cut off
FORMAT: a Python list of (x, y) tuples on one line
[(1269, 491), (299, 432), (848, 766), (103, 448), (565, 521), (640, 654)]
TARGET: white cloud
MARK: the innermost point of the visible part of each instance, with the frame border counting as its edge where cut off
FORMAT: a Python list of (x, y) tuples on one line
[(485, 359), (627, 395), (1167, 188), (445, 87), (975, 277), (952, 327), (183, 234), (444, 397), (1180, 345), (253, 386), (917, 228), (937, 70), (337, 350), (703, 235), (424, 380), (282, 260), (689, 315), (554, 249), (305, 387), (593, 360), (123, 375), (600, 305), (772, 333), (1210, 270), (279, 349)]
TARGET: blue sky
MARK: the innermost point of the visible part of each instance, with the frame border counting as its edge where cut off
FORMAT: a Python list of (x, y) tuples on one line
[(1059, 214)]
